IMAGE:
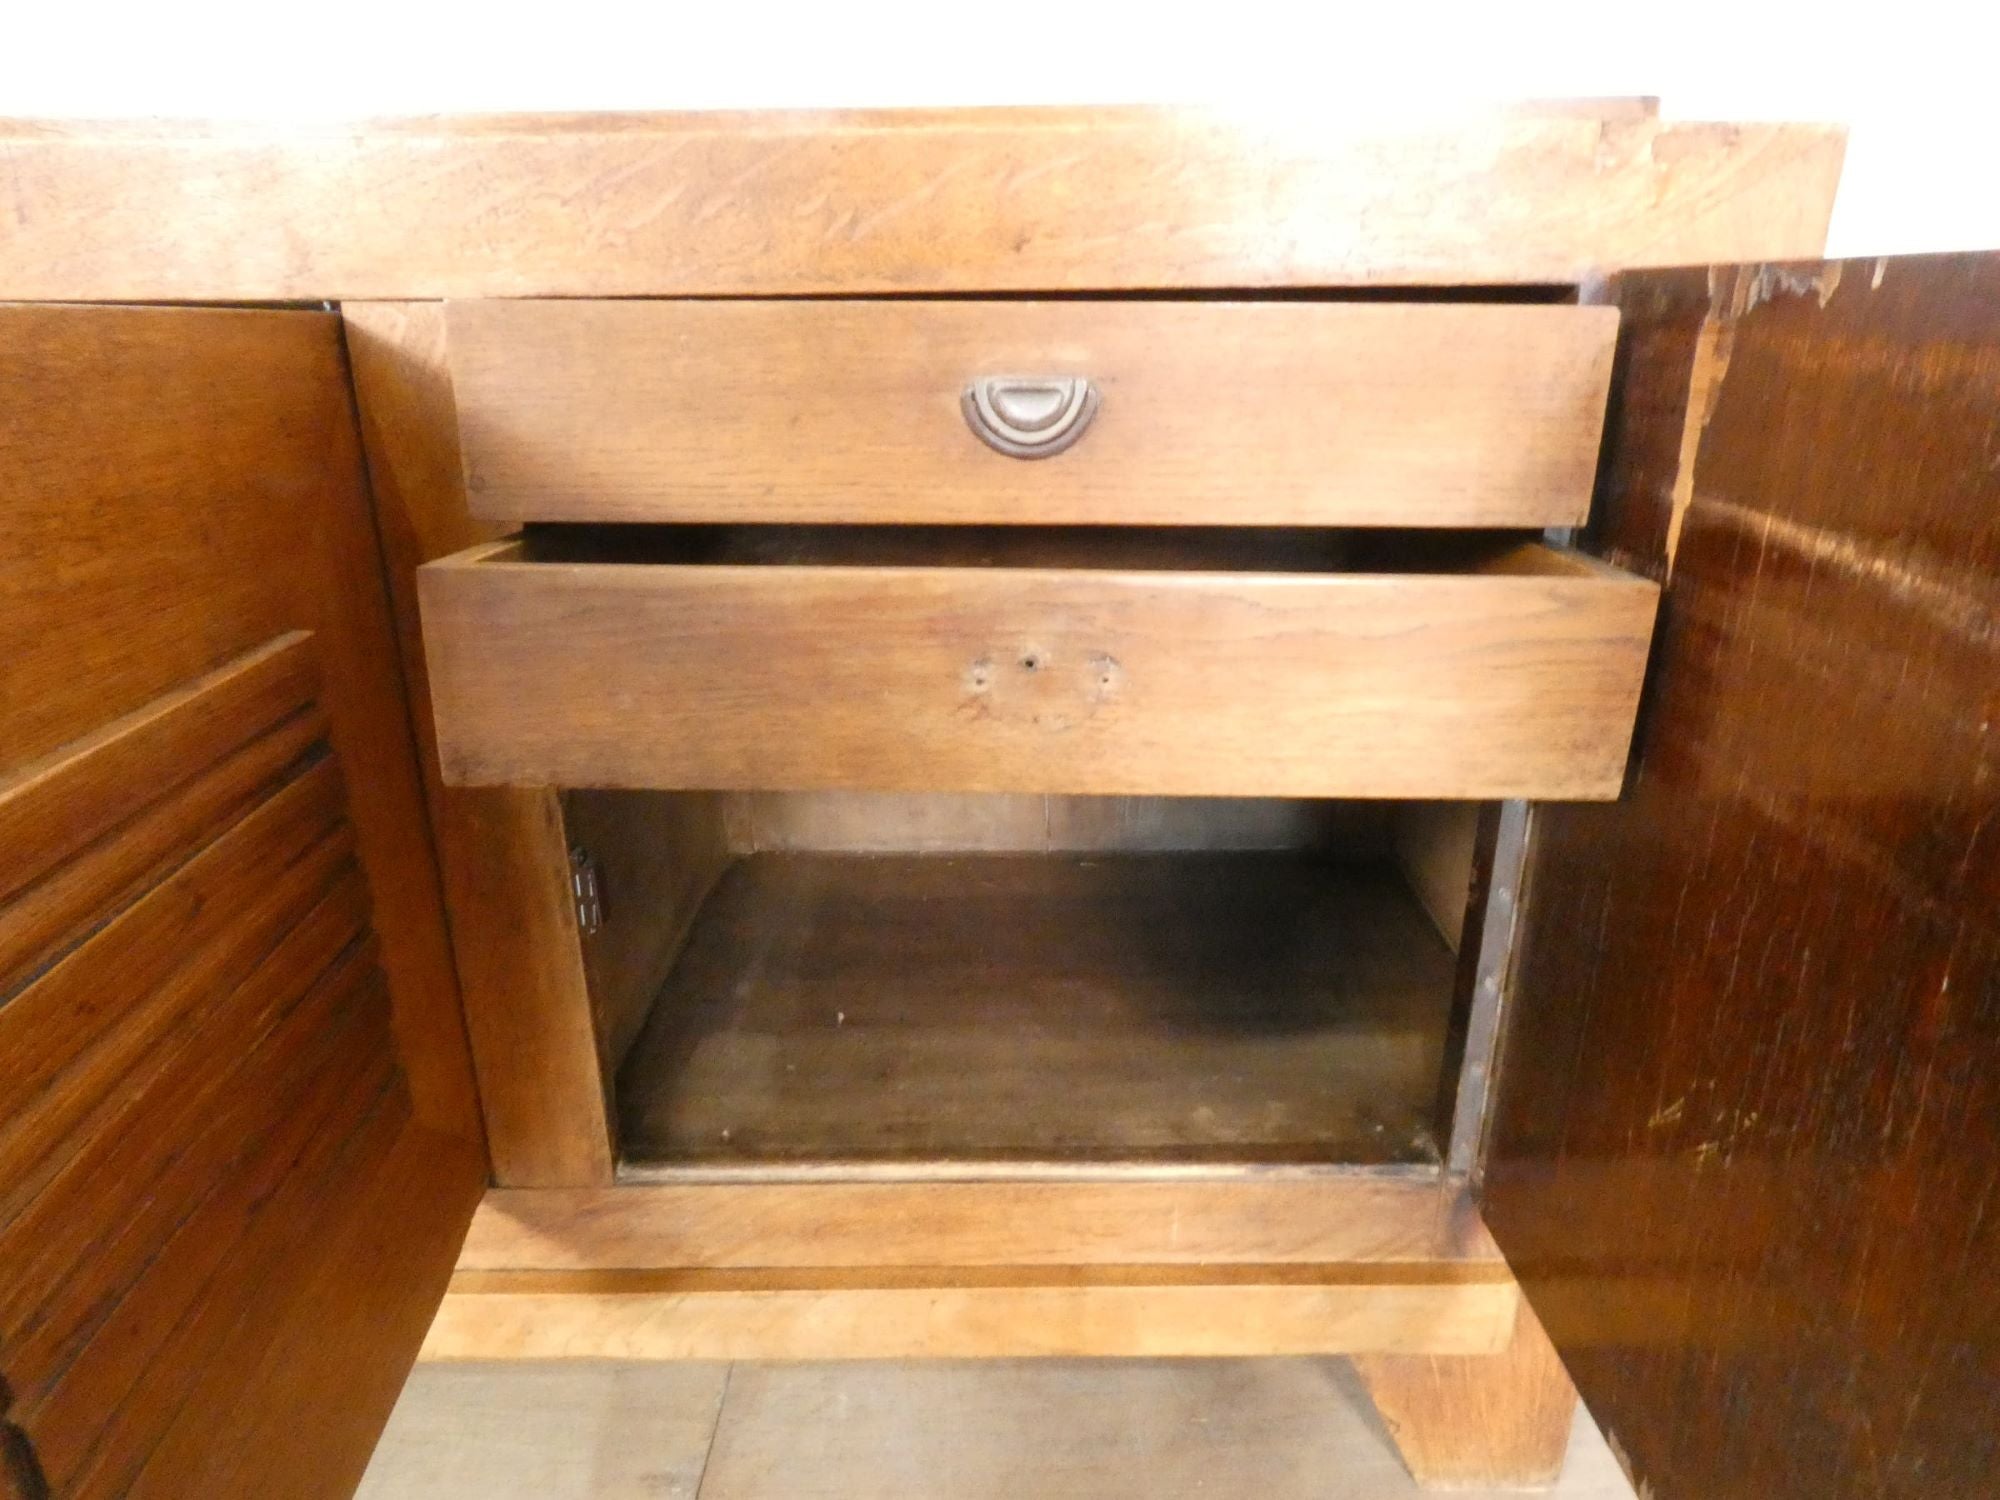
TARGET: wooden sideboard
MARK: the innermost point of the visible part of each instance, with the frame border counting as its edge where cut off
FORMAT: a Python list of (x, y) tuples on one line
[(992, 733)]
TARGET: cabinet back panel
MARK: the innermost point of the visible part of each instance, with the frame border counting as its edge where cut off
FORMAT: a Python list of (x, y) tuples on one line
[(933, 822)]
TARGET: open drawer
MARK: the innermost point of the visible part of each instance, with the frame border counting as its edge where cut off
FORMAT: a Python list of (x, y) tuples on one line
[(1232, 664)]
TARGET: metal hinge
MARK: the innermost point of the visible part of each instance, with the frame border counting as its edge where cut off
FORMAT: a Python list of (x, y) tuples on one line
[(585, 891)]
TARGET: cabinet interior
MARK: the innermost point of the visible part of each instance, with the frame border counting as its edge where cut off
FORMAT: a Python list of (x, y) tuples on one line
[(1139, 549), (932, 983)]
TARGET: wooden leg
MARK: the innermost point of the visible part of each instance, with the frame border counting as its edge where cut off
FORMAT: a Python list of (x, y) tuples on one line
[(1471, 1420)]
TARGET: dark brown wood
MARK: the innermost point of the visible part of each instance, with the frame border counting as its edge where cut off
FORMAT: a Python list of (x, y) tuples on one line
[(1748, 1134), (204, 1017), (502, 851), (1187, 1007), (21, 1476)]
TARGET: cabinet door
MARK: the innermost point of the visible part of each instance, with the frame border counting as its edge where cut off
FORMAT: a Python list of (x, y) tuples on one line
[(1746, 1139), (239, 1143)]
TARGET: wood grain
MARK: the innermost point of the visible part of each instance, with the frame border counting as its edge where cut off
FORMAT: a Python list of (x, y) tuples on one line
[(657, 856), (1520, 681), (160, 461), (1487, 1420), (43, 807), (978, 200), (1757, 1004), (59, 902), (222, 935), (1338, 1217), (374, 1278), (996, 1008), (1157, 1312), (504, 853), (1434, 844), (1263, 414), (138, 1359), (76, 1050)]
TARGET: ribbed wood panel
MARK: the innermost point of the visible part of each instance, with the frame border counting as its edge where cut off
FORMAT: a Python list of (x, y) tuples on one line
[(197, 1057), (231, 1190)]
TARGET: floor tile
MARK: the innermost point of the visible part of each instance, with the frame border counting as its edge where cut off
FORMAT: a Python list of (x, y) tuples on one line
[(548, 1432), (1065, 1430)]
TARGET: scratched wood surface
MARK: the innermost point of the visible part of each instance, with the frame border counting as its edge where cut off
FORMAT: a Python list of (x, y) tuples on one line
[(1748, 1134)]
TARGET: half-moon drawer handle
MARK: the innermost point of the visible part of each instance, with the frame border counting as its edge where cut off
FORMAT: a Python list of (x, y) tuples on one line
[(1029, 416)]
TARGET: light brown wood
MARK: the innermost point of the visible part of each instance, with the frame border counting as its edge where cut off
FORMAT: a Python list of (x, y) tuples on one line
[(1518, 680), (1321, 1218), (657, 855), (1141, 1311), (1242, 413), (1184, 1008), (1491, 1420), (222, 936), (143, 550), (1435, 843), (973, 200), (503, 852)]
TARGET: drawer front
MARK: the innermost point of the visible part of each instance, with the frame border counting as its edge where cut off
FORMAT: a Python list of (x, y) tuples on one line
[(1271, 413), (1519, 680)]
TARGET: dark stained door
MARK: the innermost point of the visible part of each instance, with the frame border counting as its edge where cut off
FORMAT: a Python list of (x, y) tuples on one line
[(1745, 1154), (239, 1143)]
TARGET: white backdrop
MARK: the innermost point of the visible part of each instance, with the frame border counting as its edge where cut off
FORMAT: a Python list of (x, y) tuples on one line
[(1915, 81)]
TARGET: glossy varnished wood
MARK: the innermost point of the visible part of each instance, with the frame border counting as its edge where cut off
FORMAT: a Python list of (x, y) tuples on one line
[(1515, 677), (504, 852), (1274, 413), (974, 200), (1147, 1008), (1744, 1158)]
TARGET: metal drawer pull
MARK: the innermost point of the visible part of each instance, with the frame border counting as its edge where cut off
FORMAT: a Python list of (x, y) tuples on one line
[(1027, 416)]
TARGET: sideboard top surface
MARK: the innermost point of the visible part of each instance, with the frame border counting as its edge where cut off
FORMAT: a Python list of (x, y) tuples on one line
[(792, 203)]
